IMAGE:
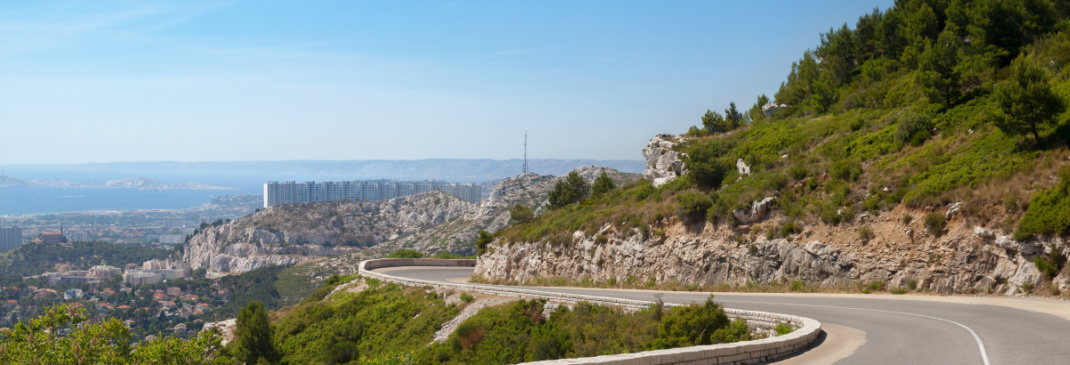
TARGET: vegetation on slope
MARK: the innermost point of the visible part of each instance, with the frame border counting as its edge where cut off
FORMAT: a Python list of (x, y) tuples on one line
[(926, 103), (36, 259), (519, 332), (62, 335), (387, 322)]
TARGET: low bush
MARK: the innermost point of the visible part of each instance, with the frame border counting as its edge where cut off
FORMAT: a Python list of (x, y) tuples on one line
[(405, 254), (784, 328), (799, 172), (875, 286), (520, 331), (691, 207), (519, 213), (1048, 212), (866, 234), (790, 228), (907, 218), (467, 298), (1050, 263), (935, 223), (913, 128)]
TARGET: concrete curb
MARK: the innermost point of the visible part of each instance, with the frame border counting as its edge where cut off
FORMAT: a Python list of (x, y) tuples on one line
[(747, 352)]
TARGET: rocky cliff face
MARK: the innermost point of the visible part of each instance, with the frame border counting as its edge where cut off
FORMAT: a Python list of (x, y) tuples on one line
[(289, 234), (348, 232), (663, 164), (966, 258), (492, 214)]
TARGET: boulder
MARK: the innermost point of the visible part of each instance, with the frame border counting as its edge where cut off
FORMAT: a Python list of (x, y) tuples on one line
[(769, 109), (758, 211), (663, 164), (742, 167)]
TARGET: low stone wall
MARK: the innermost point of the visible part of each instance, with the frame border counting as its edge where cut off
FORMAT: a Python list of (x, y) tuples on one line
[(747, 352)]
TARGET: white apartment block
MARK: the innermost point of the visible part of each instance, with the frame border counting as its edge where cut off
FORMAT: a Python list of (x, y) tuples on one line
[(288, 192), (10, 238)]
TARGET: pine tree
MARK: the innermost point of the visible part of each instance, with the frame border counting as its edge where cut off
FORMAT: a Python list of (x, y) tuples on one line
[(603, 184), (569, 190), (254, 335), (1027, 99)]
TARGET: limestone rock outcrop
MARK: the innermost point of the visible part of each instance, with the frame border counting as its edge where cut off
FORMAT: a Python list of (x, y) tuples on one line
[(294, 233), (339, 234), (663, 164), (963, 260)]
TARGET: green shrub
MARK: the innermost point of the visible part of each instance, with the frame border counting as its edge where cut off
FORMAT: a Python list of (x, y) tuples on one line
[(405, 254), (1050, 263), (482, 240), (799, 172), (519, 213), (865, 234), (790, 228), (846, 170), (899, 291), (935, 223), (601, 239), (1027, 287), (467, 298), (98, 342), (569, 190), (907, 218), (912, 284), (753, 249), (603, 184), (1049, 210), (875, 286), (872, 204), (798, 285), (691, 207), (913, 128), (784, 328)]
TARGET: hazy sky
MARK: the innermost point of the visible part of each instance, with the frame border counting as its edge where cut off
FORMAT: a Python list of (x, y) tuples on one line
[(105, 81)]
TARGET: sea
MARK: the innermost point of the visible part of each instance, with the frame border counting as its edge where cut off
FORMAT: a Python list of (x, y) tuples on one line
[(244, 177), (21, 201)]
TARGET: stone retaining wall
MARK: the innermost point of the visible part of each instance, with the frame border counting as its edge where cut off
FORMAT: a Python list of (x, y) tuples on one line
[(747, 352)]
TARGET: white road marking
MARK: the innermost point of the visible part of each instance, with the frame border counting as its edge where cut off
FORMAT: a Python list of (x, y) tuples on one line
[(980, 345)]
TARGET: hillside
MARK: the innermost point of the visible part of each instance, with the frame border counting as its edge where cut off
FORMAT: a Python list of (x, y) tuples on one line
[(431, 222), (920, 149)]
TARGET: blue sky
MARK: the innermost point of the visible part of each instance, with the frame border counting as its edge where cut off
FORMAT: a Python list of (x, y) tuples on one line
[(108, 81)]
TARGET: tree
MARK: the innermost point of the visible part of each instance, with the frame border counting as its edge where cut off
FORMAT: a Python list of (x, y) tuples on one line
[(1027, 99), (569, 190), (254, 335), (714, 122), (603, 184), (706, 165), (108, 342), (733, 118), (520, 213), (756, 112), (484, 239), (939, 68)]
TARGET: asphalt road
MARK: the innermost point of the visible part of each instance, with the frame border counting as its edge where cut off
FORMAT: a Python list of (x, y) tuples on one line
[(897, 331)]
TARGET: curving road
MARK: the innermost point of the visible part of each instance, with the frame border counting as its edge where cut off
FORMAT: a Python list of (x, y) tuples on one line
[(898, 329)]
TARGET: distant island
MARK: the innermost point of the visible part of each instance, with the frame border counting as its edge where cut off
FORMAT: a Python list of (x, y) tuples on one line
[(140, 183)]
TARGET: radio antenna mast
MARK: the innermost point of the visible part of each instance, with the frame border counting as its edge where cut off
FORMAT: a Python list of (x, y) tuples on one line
[(525, 152)]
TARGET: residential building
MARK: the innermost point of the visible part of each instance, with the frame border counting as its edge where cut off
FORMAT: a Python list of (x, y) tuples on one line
[(309, 192), (10, 238)]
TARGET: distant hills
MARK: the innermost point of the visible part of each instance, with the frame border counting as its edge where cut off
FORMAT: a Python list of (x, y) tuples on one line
[(139, 183), (459, 170)]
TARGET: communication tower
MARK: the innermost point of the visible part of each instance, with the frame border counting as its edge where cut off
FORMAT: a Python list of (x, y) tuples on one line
[(525, 152)]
